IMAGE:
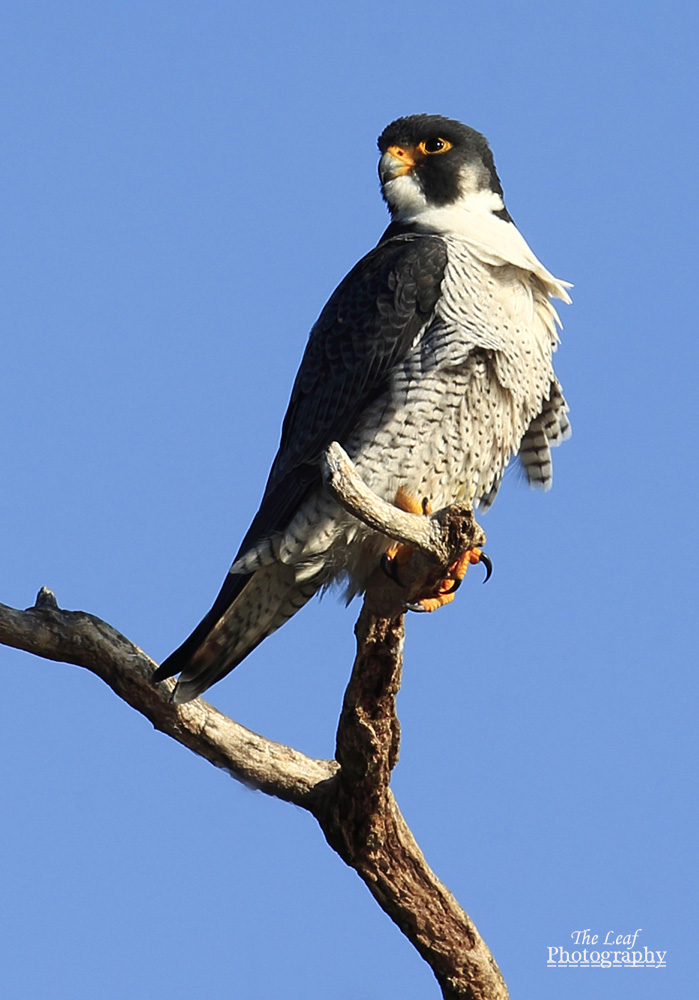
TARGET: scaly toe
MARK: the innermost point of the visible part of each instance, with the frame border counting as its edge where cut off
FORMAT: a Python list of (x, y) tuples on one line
[(431, 603)]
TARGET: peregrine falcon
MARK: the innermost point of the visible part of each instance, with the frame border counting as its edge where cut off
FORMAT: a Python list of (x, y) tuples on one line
[(431, 364)]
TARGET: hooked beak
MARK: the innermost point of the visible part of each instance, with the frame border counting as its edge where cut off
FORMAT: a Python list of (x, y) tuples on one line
[(396, 162)]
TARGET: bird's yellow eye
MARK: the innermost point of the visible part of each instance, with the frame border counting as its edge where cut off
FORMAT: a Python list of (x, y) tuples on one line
[(430, 146)]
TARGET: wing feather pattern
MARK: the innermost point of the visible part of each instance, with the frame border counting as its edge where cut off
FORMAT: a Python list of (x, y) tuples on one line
[(366, 329)]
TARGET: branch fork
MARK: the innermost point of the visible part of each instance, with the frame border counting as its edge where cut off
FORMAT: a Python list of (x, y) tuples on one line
[(350, 796)]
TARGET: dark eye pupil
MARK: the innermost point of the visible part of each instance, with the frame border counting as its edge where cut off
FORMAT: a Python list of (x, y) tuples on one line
[(434, 145)]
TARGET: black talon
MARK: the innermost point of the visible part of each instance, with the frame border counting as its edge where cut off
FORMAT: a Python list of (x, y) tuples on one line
[(390, 568), (414, 607), (488, 565)]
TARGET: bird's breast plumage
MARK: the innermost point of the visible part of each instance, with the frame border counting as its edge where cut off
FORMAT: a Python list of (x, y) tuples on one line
[(459, 403), (454, 410), (431, 364)]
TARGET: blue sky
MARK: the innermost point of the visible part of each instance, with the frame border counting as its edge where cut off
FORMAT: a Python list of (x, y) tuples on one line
[(183, 185)]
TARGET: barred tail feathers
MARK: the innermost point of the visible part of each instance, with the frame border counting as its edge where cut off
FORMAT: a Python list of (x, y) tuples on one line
[(546, 431), (260, 604)]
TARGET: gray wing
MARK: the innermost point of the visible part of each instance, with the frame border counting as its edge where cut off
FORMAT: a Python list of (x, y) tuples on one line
[(366, 329)]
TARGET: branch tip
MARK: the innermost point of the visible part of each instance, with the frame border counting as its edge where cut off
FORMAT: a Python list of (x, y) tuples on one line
[(344, 482), (350, 796), (46, 599)]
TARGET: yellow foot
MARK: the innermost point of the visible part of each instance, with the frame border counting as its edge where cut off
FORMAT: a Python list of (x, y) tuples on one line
[(446, 590), (398, 555), (404, 501)]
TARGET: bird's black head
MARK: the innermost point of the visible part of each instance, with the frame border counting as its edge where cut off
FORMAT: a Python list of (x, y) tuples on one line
[(445, 160)]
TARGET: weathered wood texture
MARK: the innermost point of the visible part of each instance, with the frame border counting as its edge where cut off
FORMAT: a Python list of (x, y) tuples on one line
[(349, 796)]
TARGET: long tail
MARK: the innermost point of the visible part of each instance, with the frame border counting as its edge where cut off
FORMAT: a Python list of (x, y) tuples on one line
[(248, 609)]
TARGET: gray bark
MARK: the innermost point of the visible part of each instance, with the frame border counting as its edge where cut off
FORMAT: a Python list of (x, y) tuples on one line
[(350, 796)]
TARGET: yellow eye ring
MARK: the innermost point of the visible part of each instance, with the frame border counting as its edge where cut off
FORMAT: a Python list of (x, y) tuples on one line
[(428, 147)]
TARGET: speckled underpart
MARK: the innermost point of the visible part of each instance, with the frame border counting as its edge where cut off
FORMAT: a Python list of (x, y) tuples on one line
[(431, 365), (454, 415)]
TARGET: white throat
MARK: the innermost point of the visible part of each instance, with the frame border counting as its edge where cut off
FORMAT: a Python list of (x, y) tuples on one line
[(472, 218), (408, 204)]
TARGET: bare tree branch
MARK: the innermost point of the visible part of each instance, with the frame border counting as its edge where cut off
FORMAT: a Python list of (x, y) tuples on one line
[(79, 638), (350, 796), (428, 534)]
